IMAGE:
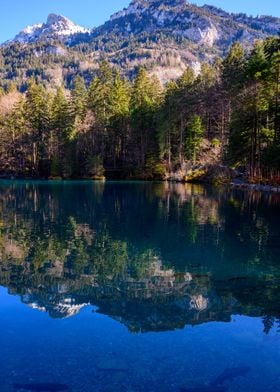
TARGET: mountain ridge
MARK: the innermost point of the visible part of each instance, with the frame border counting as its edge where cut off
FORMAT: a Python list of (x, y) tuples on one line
[(163, 36), (56, 23)]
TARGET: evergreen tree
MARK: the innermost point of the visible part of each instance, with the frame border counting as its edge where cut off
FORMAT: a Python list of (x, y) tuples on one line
[(99, 97), (79, 98), (37, 116), (119, 124), (14, 142), (167, 123), (63, 135), (145, 100), (194, 137)]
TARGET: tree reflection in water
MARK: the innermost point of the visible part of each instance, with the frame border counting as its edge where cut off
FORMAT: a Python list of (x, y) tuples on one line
[(155, 257)]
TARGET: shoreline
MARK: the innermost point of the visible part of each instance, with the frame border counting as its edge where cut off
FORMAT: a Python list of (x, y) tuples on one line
[(233, 184), (255, 187)]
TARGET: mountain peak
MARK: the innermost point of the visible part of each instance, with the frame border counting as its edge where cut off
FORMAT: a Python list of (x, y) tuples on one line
[(140, 6), (55, 18), (162, 2), (56, 26)]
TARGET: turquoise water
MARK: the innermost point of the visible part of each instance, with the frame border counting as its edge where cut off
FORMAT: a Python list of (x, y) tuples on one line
[(138, 287)]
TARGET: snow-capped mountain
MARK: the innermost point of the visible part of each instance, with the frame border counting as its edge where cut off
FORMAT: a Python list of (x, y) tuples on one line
[(57, 26)]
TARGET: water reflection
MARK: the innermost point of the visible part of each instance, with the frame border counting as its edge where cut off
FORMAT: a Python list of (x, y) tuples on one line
[(155, 257)]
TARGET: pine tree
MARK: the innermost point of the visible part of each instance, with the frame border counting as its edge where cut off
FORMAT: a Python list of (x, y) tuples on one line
[(259, 101), (14, 141), (232, 78), (62, 136), (100, 104), (79, 98), (146, 96), (233, 68), (250, 113), (193, 137), (272, 52), (167, 122), (184, 97), (99, 96), (38, 119), (119, 124)]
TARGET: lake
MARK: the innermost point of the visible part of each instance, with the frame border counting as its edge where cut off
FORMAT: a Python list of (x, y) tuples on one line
[(136, 286)]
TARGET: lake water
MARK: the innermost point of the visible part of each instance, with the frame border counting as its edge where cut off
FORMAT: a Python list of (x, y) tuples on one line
[(138, 287)]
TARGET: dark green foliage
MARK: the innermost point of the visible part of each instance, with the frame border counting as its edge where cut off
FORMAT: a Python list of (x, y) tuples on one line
[(79, 98), (255, 110), (123, 129), (194, 136)]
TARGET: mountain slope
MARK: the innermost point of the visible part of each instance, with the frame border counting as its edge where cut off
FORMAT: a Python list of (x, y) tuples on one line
[(164, 36), (168, 35)]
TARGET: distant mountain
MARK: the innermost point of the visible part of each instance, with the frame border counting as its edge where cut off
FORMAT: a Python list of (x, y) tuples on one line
[(57, 26), (164, 36)]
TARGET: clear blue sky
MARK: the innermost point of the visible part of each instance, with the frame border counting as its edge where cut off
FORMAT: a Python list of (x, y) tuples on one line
[(16, 14)]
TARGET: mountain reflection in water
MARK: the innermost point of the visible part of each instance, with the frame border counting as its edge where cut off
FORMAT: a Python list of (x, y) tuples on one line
[(155, 257)]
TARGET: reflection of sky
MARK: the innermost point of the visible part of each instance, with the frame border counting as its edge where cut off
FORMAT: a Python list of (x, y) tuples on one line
[(73, 351)]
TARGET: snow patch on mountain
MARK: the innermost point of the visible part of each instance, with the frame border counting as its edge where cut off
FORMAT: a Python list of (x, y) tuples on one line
[(57, 26)]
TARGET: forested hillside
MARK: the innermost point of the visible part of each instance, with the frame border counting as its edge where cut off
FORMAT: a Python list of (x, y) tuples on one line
[(139, 129)]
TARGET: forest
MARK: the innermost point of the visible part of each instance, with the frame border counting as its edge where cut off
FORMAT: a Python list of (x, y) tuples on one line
[(114, 127)]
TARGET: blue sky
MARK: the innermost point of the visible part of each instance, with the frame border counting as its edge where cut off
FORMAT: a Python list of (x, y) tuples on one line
[(16, 14)]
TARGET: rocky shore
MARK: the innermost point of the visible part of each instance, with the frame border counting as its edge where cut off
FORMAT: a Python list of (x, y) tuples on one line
[(219, 175), (209, 173), (254, 187)]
